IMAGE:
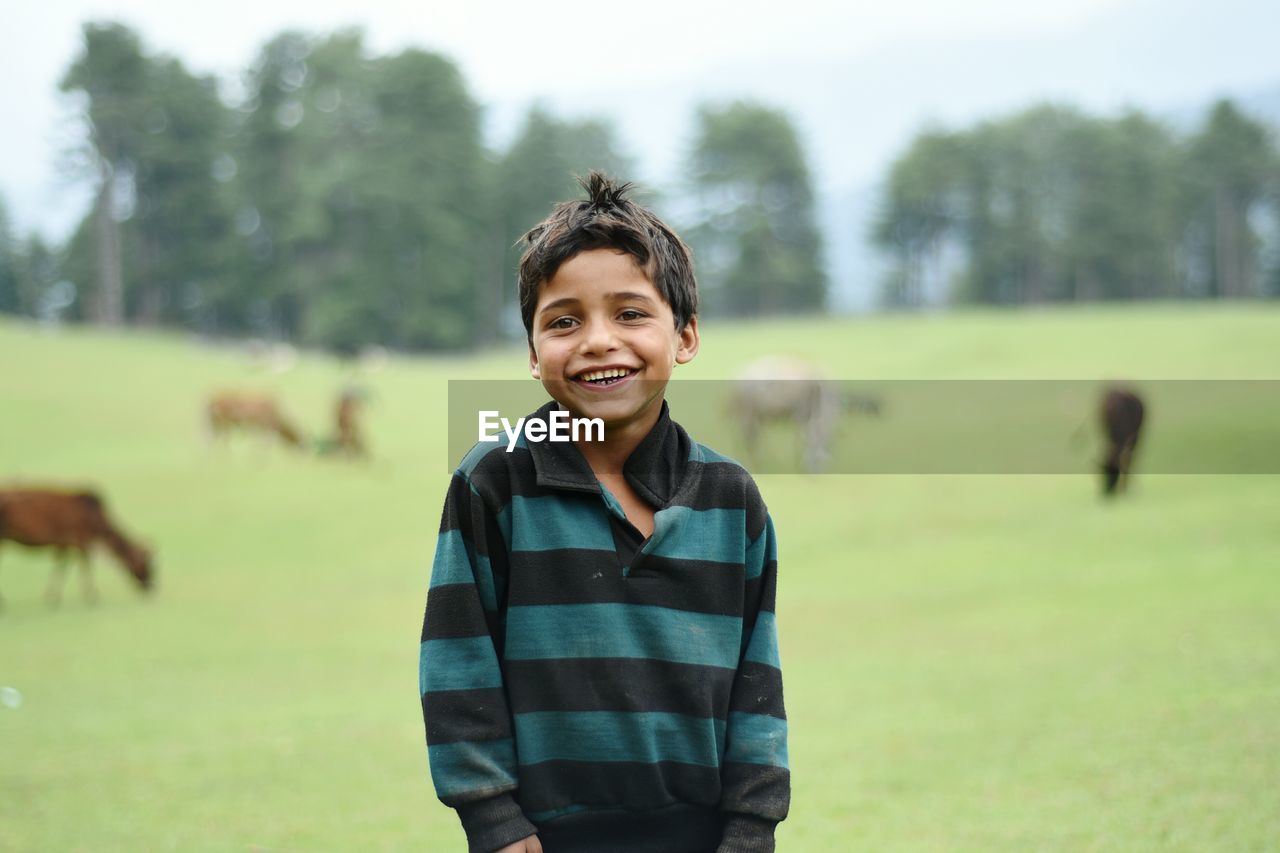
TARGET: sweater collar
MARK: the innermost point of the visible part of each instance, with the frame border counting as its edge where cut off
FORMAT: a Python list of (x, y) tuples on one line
[(656, 469)]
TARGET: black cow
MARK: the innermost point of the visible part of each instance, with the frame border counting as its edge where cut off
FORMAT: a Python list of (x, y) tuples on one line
[(1122, 413)]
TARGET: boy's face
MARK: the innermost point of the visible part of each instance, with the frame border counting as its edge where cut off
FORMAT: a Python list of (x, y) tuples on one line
[(601, 313)]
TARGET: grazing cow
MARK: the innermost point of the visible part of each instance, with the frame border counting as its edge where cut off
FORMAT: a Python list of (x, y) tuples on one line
[(230, 409), (1122, 413), (781, 388), (69, 521), (347, 439)]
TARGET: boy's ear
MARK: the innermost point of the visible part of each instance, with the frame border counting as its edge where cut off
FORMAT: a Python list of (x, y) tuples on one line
[(533, 362), (687, 345)]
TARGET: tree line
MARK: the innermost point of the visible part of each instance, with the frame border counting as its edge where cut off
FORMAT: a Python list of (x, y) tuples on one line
[(1053, 205), (341, 199), (338, 198)]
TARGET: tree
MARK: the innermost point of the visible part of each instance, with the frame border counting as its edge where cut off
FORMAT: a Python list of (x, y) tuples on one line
[(278, 208), (363, 194), (538, 170), (110, 73), (1045, 205), (161, 220), (30, 275), (757, 245), (423, 183), (1124, 227), (11, 260), (924, 209), (1231, 163), (43, 292), (182, 222)]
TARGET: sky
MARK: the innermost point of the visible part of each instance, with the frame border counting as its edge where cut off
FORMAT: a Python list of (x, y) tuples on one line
[(859, 78)]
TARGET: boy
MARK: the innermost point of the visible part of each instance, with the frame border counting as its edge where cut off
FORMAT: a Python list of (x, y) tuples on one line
[(599, 666)]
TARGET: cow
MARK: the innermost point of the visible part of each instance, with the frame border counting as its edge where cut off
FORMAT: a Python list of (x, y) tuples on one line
[(347, 439), (783, 388), (70, 521), (229, 410), (1122, 415)]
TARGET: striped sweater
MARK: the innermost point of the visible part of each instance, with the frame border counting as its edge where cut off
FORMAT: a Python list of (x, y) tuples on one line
[(603, 690)]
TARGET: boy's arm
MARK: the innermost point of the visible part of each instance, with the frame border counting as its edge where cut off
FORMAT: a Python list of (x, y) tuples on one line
[(755, 780), (468, 724)]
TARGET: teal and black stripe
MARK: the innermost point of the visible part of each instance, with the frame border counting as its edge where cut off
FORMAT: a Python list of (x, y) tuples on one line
[(608, 684), (556, 672)]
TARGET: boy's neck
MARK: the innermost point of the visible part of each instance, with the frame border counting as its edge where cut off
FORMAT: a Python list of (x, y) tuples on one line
[(607, 457)]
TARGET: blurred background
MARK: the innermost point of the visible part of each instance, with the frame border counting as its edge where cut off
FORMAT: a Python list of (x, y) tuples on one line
[(244, 247)]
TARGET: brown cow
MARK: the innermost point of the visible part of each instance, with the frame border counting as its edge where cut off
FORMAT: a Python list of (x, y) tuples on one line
[(1122, 413), (69, 521), (228, 410), (347, 439)]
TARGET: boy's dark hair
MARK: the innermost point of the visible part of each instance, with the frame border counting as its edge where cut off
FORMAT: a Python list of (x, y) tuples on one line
[(607, 219)]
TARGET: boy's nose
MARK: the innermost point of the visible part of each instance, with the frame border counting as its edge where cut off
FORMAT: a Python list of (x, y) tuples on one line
[(599, 337)]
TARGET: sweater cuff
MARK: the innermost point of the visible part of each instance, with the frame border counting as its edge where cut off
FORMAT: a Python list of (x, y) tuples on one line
[(494, 823), (747, 834)]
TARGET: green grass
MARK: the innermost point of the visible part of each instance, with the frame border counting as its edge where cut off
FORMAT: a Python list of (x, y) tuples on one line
[(972, 663)]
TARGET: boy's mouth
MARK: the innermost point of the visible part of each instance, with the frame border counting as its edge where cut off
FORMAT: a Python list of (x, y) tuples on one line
[(605, 377)]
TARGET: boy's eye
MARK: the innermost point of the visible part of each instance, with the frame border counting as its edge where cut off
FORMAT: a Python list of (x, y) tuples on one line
[(631, 314), (561, 323)]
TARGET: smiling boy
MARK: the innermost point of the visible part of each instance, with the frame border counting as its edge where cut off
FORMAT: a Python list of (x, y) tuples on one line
[(599, 666)]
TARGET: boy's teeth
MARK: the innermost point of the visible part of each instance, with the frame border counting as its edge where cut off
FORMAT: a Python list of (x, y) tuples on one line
[(597, 375)]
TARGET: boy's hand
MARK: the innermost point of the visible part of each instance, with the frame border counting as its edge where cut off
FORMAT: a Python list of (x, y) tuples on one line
[(524, 845)]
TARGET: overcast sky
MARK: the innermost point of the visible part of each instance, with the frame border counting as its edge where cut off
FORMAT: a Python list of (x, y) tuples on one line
[(571, 54)]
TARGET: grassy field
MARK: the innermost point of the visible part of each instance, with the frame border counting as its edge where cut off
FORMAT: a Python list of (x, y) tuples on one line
[(972, 663)]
